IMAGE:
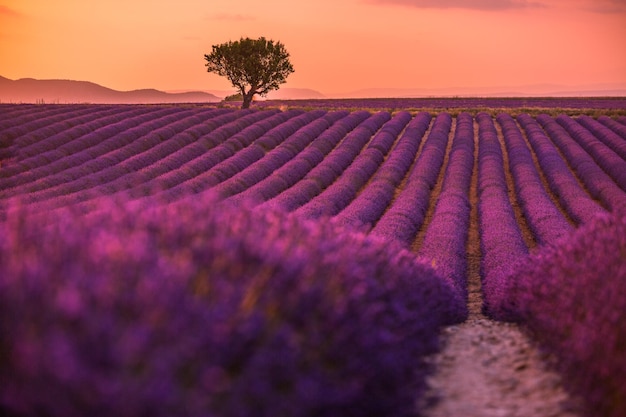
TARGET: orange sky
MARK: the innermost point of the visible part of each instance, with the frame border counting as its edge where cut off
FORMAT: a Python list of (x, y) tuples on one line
[(336, 46)]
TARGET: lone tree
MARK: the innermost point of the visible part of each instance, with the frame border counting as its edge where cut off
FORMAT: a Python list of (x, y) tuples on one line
[(253, 66)]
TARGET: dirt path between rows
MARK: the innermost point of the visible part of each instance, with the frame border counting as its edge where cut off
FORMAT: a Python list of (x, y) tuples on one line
[(489, 369), (493, 369)]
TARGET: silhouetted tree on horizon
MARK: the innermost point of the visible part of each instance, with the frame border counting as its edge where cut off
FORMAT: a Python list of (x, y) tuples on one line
[(253, 66)]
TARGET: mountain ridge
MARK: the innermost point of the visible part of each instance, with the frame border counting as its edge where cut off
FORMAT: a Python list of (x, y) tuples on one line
[(30, 90)]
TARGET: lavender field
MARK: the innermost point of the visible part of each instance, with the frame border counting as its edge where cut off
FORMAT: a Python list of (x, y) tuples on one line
[(175, 260)]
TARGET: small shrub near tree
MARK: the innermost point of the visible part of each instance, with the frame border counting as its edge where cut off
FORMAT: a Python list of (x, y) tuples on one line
[(234, 97)]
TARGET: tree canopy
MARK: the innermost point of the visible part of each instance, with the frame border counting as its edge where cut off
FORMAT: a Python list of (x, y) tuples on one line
[(253, 66)]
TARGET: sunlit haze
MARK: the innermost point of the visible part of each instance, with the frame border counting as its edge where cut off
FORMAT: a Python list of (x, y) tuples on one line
[(336, 46)]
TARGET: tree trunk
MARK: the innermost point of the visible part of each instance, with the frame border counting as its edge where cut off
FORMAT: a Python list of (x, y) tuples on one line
[(247, 99)]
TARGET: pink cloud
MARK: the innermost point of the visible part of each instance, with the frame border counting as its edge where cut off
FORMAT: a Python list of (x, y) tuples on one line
[(607, 6), (463, 4)]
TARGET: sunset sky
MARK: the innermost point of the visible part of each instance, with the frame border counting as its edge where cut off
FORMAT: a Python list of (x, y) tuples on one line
[(336, 46)]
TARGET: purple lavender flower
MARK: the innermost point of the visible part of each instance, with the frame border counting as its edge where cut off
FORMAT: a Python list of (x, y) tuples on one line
[(199, 308), (572, 296)]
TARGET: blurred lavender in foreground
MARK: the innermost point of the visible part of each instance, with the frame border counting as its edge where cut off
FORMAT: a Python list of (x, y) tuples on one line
[(200, 309)]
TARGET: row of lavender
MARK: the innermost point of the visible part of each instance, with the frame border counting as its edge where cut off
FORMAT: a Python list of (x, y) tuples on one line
[(273, 315), (373, 173), (456, 103), (178, 149), (570, 289)]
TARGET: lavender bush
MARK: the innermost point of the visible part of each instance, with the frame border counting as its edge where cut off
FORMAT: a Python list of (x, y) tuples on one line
[(293, 171), (277, 157), (612, 163), (91, 154), (332, 167), (600, 185), (614, 125), (545, 220), (198, 309), (501, 240), (340, 193), (406, 214), (605, 133), (445, 240), (563, 183), (373, 200), (572, 296)]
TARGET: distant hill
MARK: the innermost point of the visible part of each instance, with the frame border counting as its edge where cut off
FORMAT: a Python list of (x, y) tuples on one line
[(29, 90), (539, 90)]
